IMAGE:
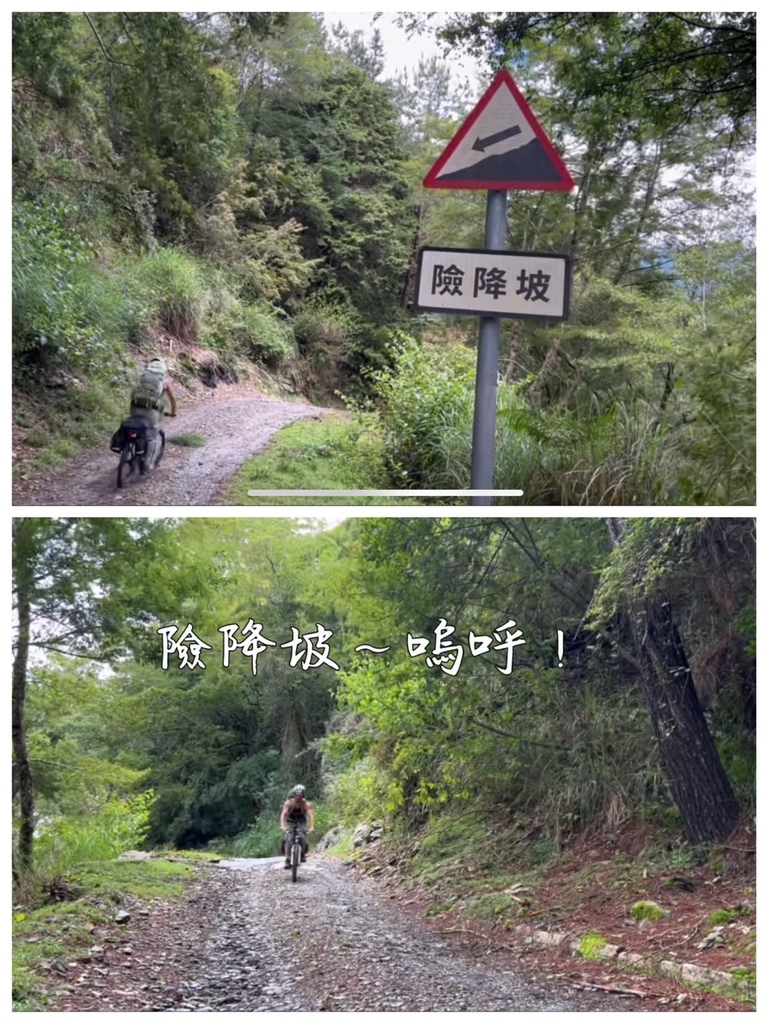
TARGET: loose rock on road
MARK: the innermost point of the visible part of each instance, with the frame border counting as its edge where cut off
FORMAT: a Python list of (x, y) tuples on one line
[(247, 938)]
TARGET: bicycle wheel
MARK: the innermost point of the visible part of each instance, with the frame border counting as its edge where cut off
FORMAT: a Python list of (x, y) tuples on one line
[(126, 465), (295, 858)]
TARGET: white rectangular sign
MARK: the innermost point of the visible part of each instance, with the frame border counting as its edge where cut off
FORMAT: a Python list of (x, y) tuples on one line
[(524, 285)]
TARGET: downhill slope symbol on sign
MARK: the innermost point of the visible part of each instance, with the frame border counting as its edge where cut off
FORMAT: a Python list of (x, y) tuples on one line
[(501, 145)]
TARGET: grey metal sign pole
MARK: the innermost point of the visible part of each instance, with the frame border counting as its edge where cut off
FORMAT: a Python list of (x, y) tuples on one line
[(484, 425)]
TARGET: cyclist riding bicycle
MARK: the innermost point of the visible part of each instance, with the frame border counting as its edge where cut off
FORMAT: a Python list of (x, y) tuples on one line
[(148, 403), (295, 811)]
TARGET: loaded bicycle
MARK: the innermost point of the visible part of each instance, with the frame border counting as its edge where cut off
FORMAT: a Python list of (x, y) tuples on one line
[(131, 441)]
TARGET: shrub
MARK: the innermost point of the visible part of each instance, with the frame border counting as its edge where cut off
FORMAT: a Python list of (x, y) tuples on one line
[(264, 335), (65, 310), (584, 455), (320, 324), (359, 792), (119, 825)]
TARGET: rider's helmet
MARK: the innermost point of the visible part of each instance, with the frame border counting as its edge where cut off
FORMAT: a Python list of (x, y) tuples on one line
[(298, 791), (157, 365)]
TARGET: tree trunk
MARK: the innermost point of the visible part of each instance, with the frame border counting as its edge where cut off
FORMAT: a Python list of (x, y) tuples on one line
[(538, 390), (695, 775), (406, 292), (640, 227), (22, 769)]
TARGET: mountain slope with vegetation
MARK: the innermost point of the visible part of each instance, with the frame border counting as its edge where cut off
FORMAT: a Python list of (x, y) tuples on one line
[(495, 693), (266, 204)]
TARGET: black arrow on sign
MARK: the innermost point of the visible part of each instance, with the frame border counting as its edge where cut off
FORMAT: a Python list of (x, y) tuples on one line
[(508, 133)]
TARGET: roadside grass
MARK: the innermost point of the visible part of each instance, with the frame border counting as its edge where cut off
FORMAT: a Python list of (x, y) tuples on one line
[(63, 931), (460, 866), (333, 453), (494, 876), (261, 839), (187, 440), (145, 879)]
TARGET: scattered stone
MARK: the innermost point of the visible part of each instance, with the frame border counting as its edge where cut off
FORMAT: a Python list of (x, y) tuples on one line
[(671, 968), (706, 976), (330, 839), (134, 855), (631, 959), (65, 381), (365, 834), (550, 938), (714, 939), (360, 836), (122, 917)]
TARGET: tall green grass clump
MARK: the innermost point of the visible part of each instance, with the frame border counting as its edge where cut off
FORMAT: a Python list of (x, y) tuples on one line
[(426, 412), (585, 456), (229, 324), (262, 839), (721, 453), (360, 792), (591, 759), (174, 289), (328, 339)]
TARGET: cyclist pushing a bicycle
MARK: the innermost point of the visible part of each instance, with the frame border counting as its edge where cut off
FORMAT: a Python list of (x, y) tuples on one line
[(296, 810)]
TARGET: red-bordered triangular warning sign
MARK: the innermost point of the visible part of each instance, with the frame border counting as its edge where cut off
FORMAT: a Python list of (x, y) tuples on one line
[(500, 145)]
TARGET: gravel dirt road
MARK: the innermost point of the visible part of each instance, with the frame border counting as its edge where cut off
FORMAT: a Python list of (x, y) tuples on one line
[(246, 937), (234, 430)]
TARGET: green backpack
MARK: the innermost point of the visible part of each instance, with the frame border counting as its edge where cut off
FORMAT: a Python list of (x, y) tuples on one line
[(148, 393)]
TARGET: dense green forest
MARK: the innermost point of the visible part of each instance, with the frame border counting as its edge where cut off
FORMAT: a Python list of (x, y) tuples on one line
[(173, 678), (247, 188)]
